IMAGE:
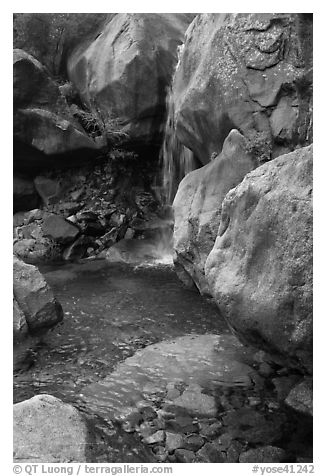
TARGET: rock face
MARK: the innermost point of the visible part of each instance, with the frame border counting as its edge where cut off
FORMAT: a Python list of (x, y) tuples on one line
[(197, 208), (46, 430), (124, 72), (33, 299), (43, 124), (260, 269), (252, 72)]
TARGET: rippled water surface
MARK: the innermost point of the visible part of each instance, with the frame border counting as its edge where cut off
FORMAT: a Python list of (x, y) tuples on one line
[(110, 311)]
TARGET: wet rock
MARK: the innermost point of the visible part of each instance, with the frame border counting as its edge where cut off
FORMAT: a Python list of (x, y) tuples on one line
[(197, 207), (46, 430), (160, 453), (34, 297), (157, 437), (210, 454), (233, 452), (184, 456), (182, 424), (300, 397), (233, 70), (209, 431), (22, 248), (266, 293), (174, 441), (223, 442), (59, 229), (196, 403), (194, 442), (265, 454), (146, 429)]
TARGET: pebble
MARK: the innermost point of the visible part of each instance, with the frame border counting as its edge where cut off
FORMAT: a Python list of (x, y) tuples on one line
[(184, 456), (209, 454), (197, 403), (265, 454), (210, 430), (157, 437), (174, 441), (194, 442)]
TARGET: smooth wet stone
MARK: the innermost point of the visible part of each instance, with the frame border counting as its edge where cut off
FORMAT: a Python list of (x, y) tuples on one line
[(194, 442), (210, 430), (184, 456), (210, 454), (182, 425), (174, 441), (197, 403), (172, 394), (223, 441), (157, 437), (233, 452), (148, 413), (146, 429), (265, 454)]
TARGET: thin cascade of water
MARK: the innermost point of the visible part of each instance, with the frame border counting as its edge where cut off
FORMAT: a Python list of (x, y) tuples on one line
[(176, 160)]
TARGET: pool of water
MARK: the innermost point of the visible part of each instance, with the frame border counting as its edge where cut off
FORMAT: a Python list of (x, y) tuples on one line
[(129, 332)]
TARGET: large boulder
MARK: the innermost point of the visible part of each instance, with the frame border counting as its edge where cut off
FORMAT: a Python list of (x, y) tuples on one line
[(34, 297), (123, 73), (197, 208), (260, 269), (252, 72), (46, 430), (43, 123)]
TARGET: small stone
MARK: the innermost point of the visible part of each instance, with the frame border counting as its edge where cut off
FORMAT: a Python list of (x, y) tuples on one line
[(184, 456), (174, 441), (160, 453), (210, 454), (130, 233), (148, 413), (159, 423), (182, 424), (265, 369), (197, 403), (172, 394), (233, 452), (157, 437), (146, 430), (194, 442), (210, 430), (224, 441), (254, 401), (265, 454)]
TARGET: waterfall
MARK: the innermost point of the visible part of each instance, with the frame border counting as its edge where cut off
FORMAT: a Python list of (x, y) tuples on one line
[(176, 160)]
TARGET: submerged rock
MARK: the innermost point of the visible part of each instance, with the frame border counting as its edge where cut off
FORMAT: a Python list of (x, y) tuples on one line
[(252, 72), (197, 208), (265, 454), (260, 269), (46, 430), (34, 297)]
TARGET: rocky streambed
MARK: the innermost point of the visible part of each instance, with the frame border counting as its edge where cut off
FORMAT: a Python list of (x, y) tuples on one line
[(156, 374)]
